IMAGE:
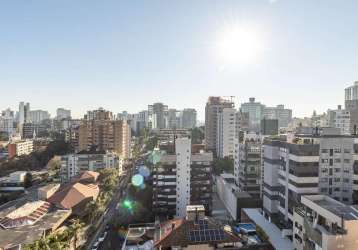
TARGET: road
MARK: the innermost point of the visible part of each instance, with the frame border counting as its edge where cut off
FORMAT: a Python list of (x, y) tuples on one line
[(110, 211)]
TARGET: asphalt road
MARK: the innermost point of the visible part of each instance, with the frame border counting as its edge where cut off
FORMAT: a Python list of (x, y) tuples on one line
[(109, 214)]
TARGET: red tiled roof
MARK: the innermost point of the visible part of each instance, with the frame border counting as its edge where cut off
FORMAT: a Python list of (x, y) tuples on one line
[(73, 194), (177, 233), (86, 176)]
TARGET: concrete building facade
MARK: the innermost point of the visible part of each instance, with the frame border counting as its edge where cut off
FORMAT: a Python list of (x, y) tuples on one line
[(247, 165), (180, 179), (226, 131), (74, 164), (214, 106), (255, 111)]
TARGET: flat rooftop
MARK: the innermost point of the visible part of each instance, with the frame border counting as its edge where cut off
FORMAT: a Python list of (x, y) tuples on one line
[(29, 233), (333, 206), (140, 236)]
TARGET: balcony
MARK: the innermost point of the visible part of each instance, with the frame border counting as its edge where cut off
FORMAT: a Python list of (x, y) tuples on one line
[(312, 233)]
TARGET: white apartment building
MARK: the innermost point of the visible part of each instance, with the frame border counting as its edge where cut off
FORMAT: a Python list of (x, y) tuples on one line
[(284, 116), (24, 112), (226, 131), (188, 118), (319, 120), (158, 115), (62, 114), (324, 223), (180, 179), (341, 119), (74, 164), (37, 116), (7, 122), (307, 163), (338, 156), (19, 148), (255, 111), (183, 162), (290, 170)]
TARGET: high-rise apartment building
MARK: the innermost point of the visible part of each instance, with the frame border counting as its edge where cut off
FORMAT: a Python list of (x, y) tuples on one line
[(62, 114), (269, 126), (337, 166), (213, 107), (351, 96), (24, 112), (173, 119), (37, 116), (242, 121), (182, 178), (226, 132), (188, 118), (247, 164), (312, 161), (319, 120), (158, 115), (284, 116), (290, 169), (341, 119), (99, 130), (255, 111), (7, 120)]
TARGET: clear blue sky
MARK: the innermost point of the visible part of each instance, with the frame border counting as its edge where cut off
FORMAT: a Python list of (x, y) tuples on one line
[(123, 55)]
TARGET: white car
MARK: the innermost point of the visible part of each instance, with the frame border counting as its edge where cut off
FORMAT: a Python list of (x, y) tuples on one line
[(100, 239), (95, 245)]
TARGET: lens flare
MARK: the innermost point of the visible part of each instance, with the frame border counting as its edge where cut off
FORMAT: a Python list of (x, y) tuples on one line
[(144, 171), (137, 180)]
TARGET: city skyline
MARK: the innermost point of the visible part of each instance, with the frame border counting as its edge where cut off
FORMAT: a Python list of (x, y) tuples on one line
[(122, 52)]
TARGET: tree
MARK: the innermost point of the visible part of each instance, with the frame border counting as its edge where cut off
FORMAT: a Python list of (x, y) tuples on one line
[(223, 165), (28, 180), (91, 211), (75, 228), (197, 135), (151, 143)]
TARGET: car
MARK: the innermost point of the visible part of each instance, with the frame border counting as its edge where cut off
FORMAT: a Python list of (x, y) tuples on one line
[(100, 239), (95, 245)]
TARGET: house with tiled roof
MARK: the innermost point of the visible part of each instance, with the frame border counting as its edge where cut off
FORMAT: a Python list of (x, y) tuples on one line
[(86, 177), (195, 231), (75, 197)]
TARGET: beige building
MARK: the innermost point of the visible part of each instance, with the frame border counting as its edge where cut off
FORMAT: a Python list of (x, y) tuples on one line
[(324, 223), (99, 130), (19, 148), (213, 107)]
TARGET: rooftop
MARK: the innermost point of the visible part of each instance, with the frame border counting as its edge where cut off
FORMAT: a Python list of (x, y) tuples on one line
[(335, 207), (73, 194), (140, 236), (29, 233), (27, 214), (183, 232)]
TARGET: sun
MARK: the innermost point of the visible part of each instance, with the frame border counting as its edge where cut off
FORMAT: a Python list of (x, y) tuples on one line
[(239, 46)]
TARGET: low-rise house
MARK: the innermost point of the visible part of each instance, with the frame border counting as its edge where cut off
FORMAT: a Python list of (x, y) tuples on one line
[(75, 197), (195, 231)]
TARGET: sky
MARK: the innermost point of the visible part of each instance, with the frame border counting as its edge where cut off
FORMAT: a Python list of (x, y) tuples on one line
[(124, 55)]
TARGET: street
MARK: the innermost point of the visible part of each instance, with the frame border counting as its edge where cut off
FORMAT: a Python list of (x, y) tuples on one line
[(108, 215)]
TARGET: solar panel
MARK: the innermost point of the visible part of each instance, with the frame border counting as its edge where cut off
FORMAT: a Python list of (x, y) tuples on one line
[(206, 235)]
